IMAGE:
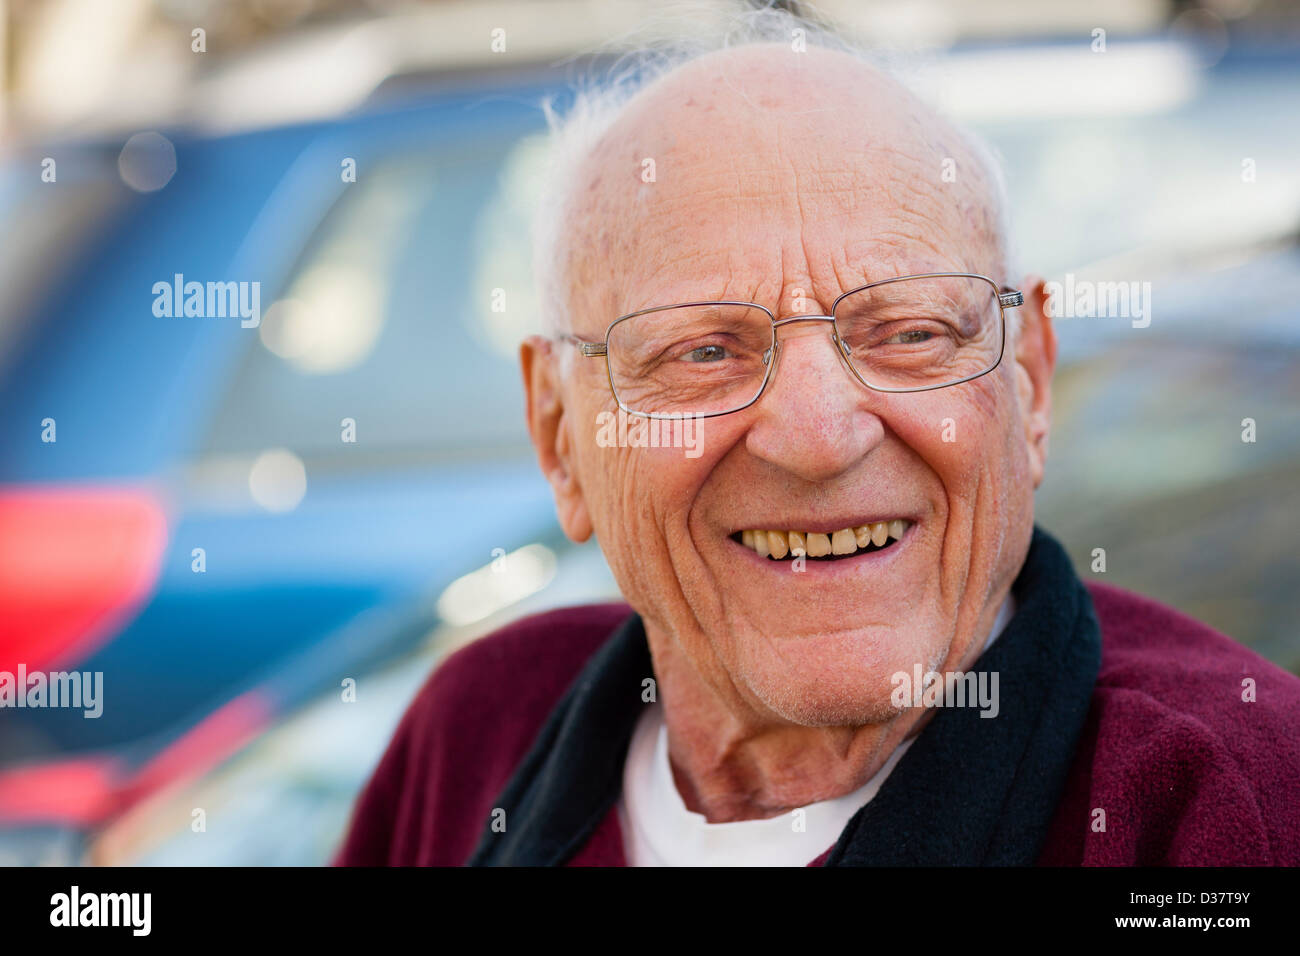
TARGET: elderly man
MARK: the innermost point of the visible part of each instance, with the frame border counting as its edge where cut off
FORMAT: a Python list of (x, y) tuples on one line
[(848, 643)]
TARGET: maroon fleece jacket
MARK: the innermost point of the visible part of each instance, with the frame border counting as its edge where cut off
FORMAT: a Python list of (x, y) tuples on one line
[(1186, 771)]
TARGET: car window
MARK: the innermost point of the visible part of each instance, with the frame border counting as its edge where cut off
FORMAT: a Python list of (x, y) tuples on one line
[(403, 315)]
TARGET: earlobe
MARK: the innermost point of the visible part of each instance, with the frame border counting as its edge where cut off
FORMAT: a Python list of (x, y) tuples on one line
[(548, 427), (570, 502)]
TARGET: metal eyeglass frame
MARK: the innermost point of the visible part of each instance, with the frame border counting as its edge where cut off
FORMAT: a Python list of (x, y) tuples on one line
[(1007, 298)]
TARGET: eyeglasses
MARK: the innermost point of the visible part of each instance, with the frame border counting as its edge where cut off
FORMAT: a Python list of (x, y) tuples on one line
[(906, 334)]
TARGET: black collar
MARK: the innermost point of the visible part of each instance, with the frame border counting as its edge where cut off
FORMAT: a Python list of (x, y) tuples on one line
[(969, 791)]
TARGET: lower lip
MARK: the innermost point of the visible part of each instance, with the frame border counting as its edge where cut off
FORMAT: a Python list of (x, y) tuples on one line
[(874, 560)]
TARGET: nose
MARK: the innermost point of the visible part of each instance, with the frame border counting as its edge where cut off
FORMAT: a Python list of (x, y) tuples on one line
[(814, 419)]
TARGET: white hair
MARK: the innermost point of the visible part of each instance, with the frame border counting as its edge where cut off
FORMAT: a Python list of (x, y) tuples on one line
[(687, 32)]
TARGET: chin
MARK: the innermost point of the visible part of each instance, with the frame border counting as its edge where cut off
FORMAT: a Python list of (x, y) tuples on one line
[(832, 681)]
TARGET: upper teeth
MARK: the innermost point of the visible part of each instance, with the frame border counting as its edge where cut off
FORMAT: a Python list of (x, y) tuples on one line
[(815, 544)]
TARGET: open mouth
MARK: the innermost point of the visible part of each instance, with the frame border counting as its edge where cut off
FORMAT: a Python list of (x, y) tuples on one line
[(819, 546)]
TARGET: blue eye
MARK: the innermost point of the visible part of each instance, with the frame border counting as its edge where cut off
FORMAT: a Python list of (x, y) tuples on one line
[(706, 353)]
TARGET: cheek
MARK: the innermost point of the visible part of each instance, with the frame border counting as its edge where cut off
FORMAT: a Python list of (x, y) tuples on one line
[(641, 482), (959, 432), (973, 443), (654, 470)]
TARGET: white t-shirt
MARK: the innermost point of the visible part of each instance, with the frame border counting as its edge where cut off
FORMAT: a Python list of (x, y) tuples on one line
[(658, 829)]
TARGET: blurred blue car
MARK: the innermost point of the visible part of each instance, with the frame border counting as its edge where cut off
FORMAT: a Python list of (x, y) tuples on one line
[(228, 518)]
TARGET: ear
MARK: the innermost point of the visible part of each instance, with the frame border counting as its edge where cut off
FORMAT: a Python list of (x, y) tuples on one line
[(548, 428), (1035, 364)]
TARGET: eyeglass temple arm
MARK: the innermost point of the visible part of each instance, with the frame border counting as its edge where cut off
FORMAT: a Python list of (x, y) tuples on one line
[(1009, 298), (586, 348)]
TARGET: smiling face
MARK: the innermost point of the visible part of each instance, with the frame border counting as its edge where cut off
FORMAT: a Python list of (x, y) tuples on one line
[(786, 179)]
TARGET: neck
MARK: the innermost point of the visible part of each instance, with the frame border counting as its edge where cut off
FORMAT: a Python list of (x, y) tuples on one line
[(733, 761)]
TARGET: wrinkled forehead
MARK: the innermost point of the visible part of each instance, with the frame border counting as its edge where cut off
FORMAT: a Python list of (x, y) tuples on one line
[(751, 176)]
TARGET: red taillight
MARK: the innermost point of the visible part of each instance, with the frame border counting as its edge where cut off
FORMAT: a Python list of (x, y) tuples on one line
[(75, 564)]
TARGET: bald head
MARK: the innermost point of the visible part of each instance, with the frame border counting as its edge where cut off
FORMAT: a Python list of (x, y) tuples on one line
[(765, 174)]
